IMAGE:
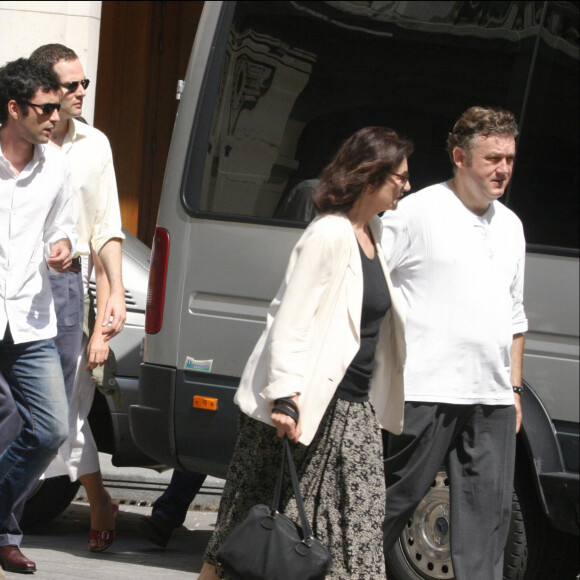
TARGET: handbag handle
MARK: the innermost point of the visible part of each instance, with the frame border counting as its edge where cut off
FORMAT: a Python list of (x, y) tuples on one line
[(287, 460)]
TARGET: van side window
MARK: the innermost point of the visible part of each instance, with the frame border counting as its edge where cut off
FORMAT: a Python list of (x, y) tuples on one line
[(544, 190), (297, 78)]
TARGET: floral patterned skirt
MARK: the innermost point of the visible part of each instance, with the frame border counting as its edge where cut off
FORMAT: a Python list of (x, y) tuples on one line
[(342, 482)]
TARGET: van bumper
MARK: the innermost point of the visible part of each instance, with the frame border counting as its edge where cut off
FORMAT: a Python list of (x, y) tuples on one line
[(169, 428), (205, 438), (561, 494), (124, 451), (151, 419)]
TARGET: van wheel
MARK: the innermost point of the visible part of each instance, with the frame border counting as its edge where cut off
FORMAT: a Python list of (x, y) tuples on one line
[(47, 501), (422, 551)]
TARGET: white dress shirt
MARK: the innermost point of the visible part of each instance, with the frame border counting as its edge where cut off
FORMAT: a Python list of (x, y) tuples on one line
[(35, 210), (95, 200), (461, 279)]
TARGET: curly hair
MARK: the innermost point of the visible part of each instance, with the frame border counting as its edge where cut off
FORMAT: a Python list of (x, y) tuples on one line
[(19, 81), (365, 158), (50, 54), (480, 122)]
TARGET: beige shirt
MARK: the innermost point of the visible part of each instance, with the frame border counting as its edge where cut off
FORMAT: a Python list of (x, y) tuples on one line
[(313, 332), (96, 208)]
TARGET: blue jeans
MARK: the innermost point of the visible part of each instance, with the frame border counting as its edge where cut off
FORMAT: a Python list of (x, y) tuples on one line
[(34, 376), (10, 425), (67, 292), (172, 506)]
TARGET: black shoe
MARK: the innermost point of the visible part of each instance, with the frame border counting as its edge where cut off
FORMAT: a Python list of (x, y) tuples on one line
[(156, 530)]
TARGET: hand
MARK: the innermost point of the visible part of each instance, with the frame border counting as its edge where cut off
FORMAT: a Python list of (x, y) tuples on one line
[(519, 413), (60, 257), (285, 425), (97, 351), (114, 316)]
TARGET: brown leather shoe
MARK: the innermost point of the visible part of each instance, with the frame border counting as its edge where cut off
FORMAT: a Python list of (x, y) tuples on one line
[(13, 560)]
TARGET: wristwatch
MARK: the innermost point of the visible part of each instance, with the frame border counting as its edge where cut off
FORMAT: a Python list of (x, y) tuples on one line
[(518, 390)]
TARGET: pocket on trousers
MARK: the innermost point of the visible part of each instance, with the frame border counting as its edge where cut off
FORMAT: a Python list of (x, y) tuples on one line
[(67, 297)]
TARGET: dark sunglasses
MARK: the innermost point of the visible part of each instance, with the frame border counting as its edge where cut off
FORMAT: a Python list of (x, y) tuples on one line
[(74, 85), (47, 108)]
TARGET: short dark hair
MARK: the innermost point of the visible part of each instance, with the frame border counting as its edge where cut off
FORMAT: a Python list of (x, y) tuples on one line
[(365, 158), (50, 54), (19, 81), (480, 122)]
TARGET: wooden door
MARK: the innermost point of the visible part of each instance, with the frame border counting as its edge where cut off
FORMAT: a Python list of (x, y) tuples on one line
[(144, 50)]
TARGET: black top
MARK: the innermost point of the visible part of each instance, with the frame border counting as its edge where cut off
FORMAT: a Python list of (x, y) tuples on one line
[(376, 301)]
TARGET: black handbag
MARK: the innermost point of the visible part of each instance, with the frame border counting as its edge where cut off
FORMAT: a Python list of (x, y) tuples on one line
[(267, 545)]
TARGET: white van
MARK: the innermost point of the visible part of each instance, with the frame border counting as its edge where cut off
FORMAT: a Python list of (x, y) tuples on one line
[(271, 91)]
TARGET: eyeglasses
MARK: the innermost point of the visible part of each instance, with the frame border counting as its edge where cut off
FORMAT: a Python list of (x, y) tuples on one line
[(74, 85), (403, 177), (47, 108)]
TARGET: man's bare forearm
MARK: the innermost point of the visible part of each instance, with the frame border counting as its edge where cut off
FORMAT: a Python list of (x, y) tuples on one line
[(516, 376), (115, 310), (517, 359), (111, 257)]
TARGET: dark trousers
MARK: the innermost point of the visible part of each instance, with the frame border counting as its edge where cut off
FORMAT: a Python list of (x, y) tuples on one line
[(477, 445), (69, 306), (172, 506)]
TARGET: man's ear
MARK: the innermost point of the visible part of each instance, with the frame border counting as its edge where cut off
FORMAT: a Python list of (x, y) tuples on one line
[(459, 157), (14, 110)]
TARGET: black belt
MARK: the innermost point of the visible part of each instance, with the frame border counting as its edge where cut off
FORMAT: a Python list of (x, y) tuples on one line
[(75, 265)]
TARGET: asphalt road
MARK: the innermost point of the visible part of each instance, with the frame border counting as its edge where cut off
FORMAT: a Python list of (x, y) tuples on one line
[(60, 550)]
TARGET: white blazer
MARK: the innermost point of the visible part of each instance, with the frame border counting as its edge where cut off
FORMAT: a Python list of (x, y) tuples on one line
[(312, 332)]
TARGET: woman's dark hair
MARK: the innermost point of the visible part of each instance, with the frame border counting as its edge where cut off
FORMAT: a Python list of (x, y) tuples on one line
[(19, 81), (365, 158)]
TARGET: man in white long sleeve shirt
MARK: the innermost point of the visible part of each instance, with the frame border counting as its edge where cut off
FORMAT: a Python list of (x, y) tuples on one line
[(98, 222), (456, 256), (36, 233)]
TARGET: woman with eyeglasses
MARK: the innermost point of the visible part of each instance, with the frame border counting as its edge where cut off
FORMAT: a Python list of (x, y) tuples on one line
[(327, 370)]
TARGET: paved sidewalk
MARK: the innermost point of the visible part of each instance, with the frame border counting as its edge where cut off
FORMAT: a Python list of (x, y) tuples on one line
[(61, 551)]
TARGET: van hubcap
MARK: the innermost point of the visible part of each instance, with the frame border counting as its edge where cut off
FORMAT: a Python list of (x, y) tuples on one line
[(425, 540)]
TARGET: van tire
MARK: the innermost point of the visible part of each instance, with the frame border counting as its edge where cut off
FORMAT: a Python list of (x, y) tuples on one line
[(47, 501), (400, 564), (515, 556)]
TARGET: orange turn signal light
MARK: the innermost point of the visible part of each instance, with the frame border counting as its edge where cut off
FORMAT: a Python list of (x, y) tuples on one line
[(206, 403)]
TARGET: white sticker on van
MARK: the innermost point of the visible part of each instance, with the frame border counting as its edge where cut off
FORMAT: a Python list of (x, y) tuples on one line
[(198, 365)]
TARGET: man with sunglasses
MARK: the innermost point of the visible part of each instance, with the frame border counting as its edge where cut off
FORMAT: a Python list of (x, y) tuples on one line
[(98, 222), (456, 256), (36, 234)]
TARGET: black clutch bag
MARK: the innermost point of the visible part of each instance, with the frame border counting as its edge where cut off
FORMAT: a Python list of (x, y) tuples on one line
[(267, 545)]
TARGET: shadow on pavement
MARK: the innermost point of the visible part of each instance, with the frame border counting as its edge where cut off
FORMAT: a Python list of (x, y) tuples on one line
[(60, 549)]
